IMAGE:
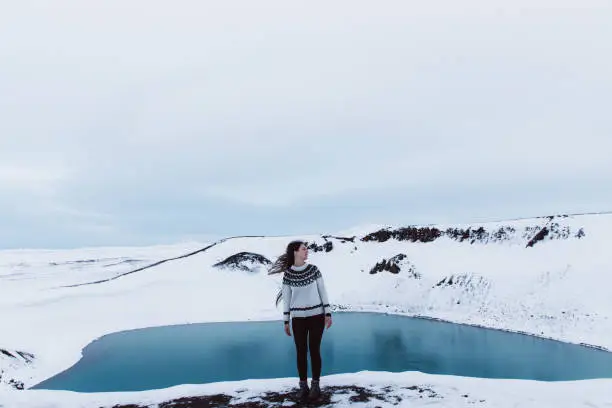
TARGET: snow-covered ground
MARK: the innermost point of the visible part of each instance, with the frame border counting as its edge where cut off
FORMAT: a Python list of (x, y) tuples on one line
[(374, 389), (543, 276)]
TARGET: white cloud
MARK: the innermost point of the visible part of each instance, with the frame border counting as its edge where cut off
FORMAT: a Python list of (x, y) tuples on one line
[(20, 176), (270, 103)]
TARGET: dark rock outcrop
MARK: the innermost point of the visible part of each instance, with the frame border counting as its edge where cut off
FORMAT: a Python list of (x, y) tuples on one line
[(480, 235), (341, 239), (328, 246), (395, 265), (244, 261), (21, 357), (466, 281), (538, 237), (18, 385), (553, 230), (27, 357), (430, 234), (413, 234)]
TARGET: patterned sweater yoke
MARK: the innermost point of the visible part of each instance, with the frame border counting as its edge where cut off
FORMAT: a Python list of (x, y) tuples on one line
[(301, 277)]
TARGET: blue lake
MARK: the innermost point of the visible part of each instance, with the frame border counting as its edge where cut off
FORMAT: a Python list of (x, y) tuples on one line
[(201, 353)]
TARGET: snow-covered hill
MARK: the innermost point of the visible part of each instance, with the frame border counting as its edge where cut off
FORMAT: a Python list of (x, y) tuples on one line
[(545, 276)]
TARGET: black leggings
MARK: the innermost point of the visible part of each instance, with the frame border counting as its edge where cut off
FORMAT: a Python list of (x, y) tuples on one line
[(307, 333)]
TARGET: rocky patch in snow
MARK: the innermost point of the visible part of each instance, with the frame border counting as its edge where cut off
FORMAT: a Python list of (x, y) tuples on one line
[(11, 382), (244, 261), (328, 246), (554, 231), (465, 280), (341, 395), (479, 235), (341, 239), (396, 264), (413, 234), (13, 361), (464, 288)]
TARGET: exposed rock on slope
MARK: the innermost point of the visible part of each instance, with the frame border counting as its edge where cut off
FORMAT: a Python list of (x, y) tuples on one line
[(13, 361), (531, 234), (554, 231), (327, 247), (395, 265), (244, 261), (341, 239), (464, 280), (413, 234)]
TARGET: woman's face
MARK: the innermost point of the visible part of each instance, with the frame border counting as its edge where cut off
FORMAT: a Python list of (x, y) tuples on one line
[(302, 253)]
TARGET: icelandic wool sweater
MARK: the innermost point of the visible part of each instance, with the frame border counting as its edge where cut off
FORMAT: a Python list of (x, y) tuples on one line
[(304, 292)]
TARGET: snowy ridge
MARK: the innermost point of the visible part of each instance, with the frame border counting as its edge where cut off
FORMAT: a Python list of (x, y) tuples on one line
[(547, 276)]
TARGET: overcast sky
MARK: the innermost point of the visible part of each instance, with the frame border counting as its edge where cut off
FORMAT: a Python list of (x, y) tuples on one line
[(143, 122)]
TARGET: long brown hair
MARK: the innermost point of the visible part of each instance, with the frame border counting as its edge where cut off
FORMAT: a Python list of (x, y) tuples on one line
[(284, 262)]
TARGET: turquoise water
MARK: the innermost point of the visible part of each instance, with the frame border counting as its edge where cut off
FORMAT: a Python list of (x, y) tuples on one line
[(201, 353)]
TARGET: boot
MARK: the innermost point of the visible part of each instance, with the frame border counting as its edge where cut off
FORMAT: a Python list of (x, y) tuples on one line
[(303, 392), (315, 391)]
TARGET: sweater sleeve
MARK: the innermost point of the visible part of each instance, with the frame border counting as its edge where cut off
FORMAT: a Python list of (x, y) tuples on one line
[(286, 301), (323, 295)]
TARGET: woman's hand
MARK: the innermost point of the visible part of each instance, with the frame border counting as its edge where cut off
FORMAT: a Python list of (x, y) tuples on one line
[(287, 329), (328, 321)]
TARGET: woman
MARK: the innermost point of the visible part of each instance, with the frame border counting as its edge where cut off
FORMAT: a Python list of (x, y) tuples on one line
[(305, 302)]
